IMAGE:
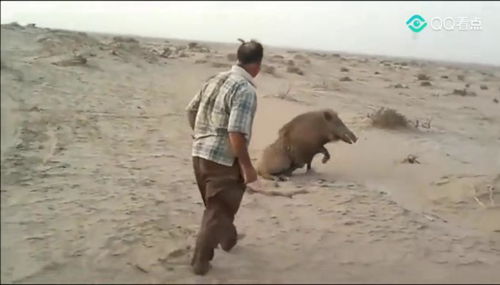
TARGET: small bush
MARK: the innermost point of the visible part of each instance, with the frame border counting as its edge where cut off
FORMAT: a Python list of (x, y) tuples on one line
[(388, 119), (294, 69), (423, 76)]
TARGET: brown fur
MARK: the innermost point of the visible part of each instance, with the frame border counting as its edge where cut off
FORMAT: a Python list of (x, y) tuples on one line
[(300, 140)]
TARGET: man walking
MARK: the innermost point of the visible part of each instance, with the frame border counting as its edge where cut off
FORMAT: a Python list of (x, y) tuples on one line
[(221, 116)]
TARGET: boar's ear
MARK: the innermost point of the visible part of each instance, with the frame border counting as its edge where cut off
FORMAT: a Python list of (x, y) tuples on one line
[(328, 115)]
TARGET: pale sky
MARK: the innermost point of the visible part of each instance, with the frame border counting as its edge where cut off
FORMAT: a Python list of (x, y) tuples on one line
[(359, 27)]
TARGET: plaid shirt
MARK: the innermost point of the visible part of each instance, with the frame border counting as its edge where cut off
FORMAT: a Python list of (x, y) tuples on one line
[(226, 103)]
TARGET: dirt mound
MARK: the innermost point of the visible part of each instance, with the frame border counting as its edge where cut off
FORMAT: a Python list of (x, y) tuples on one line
[(13, 26), (57, 42)]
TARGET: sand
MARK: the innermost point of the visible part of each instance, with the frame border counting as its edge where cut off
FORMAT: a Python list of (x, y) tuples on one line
[(97, 184)]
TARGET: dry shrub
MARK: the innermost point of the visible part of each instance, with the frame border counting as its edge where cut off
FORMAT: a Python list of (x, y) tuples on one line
[(344, 69), (300, 57), (345, 78), (269, 69), (196, 47), (193, 45), (120, 39), (483, 87), (400, 86), (290, 63), (232, 57), (220, 65), (166, 52), (461, 77), (463, 92), (277, 58), (294, 69), (200, 61), (425, 83), (388, 119), (423, 76), (73, 61)]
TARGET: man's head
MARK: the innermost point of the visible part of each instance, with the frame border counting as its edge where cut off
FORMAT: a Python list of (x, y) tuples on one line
[(250, 56)]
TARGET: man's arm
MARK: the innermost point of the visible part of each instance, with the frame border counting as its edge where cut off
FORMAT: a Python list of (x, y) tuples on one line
[(192, 109), (191, 114), (243, 104), (239, 146)]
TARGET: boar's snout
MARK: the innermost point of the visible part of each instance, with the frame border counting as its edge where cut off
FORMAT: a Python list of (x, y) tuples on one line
[(349, 137)]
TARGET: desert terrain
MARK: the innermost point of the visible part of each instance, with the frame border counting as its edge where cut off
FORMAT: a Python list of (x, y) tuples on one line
[(97, 183)]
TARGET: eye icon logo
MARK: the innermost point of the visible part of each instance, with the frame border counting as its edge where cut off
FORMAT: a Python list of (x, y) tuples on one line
[(416, 23)]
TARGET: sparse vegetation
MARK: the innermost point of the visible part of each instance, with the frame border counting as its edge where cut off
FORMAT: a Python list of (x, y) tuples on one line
[(483, 87), (388, 119), (120, 39), (300, 57), (463, 92), (200, 61), (461, 77), (220, 65), (444, 76), (166, 52), (294, 69), (231, 57), (193, 45), (411, 159), (73, 61), (423, 76), (269, 69), (344, 69), (345, 78), (425, 83), (196, 47), (400, 86)]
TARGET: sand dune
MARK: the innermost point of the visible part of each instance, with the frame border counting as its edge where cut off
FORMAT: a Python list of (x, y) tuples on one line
[(97, 185)]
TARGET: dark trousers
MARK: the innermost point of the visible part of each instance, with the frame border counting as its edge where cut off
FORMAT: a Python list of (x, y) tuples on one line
[(221, 188)]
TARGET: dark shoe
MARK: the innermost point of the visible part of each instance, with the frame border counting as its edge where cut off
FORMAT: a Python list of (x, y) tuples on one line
[(228, 244), (201, 267), (210, 256)]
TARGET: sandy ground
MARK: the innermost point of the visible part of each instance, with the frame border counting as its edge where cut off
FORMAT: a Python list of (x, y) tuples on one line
[(97, 184)]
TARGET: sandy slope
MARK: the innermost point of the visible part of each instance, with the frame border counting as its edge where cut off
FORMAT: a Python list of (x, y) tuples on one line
[(97, 184)]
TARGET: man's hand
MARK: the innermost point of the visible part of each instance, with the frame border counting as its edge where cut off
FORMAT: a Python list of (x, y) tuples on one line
[(249, 174), (238, 144)]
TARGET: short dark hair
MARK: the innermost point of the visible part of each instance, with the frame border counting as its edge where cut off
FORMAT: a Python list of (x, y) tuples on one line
[(250, 52)]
